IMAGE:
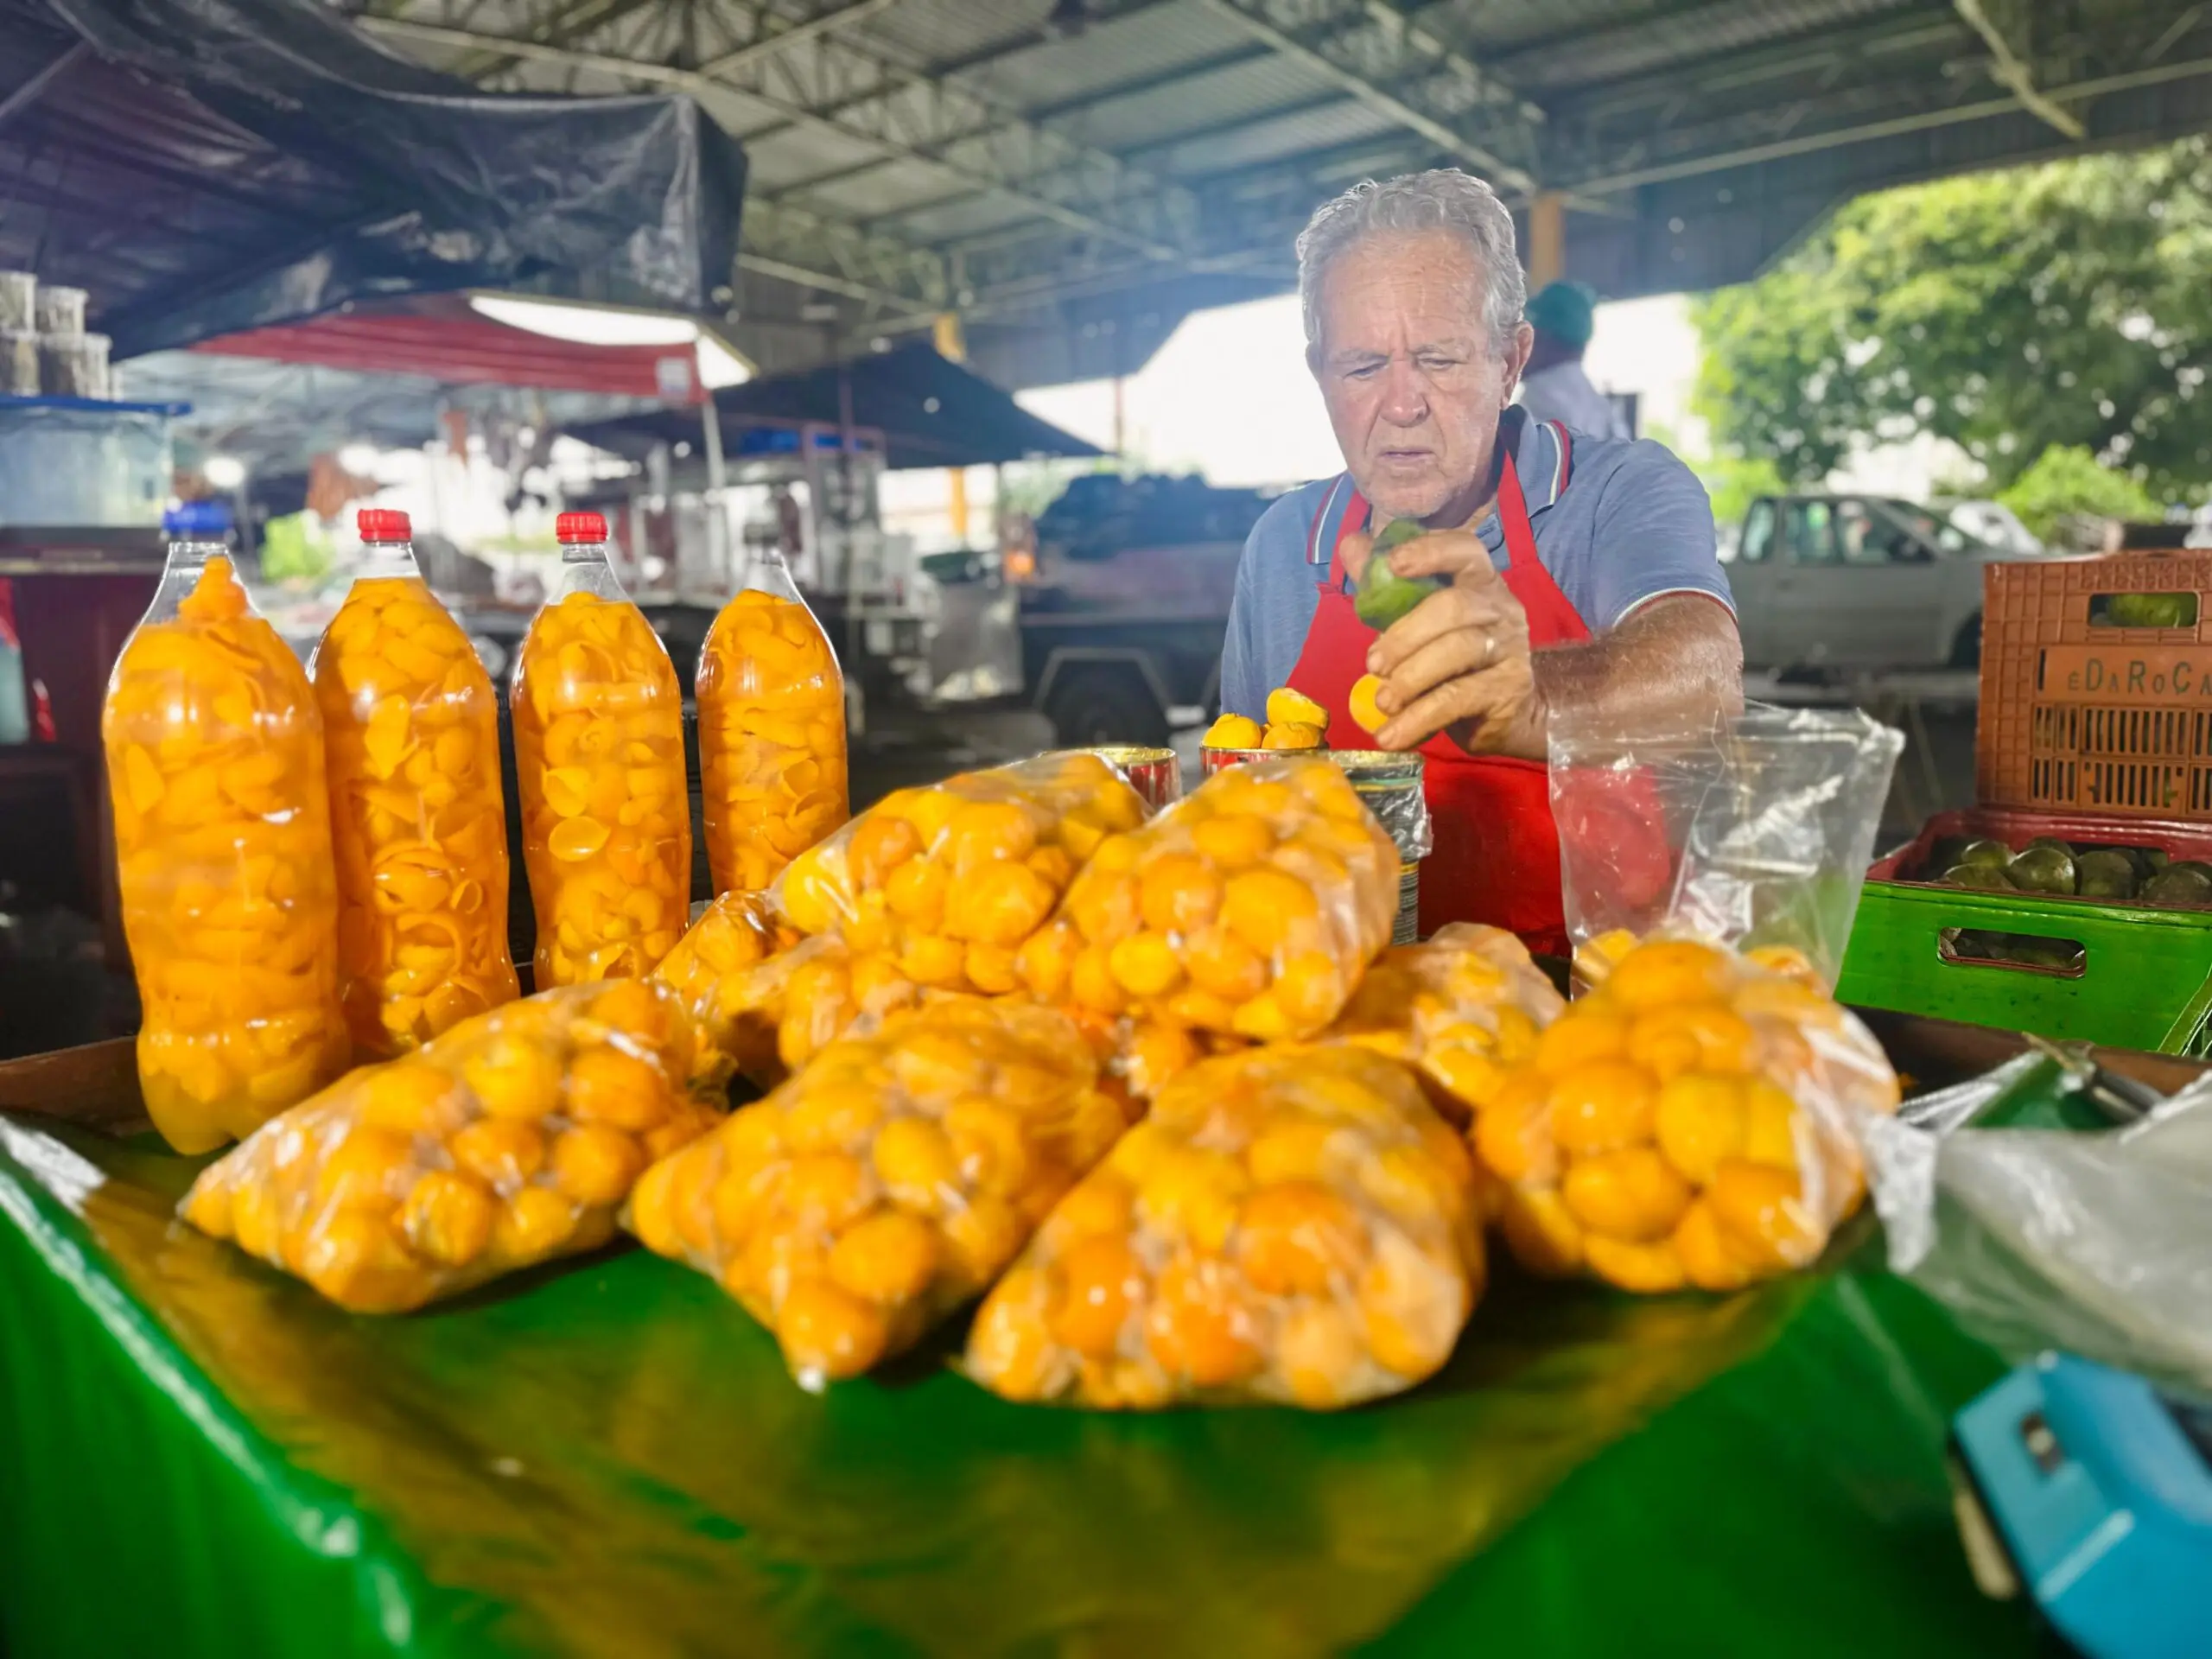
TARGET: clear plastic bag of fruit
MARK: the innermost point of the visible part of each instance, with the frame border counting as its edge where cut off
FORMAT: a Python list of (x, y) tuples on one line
[(222, 837), (771, 729), (948, 882), (889, 1182), (1752, 832), (412, 729), (1249, 908), (510, 1140), (1460, 1009), (1693, 1120), (599, 763), (1290, 1224), (716, 968)]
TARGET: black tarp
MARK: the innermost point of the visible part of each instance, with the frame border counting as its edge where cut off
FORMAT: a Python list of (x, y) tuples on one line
[(931, 412), (205, 166)]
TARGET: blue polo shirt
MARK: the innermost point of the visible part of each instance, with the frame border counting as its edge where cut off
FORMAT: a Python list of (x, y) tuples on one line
[(1629, 523)]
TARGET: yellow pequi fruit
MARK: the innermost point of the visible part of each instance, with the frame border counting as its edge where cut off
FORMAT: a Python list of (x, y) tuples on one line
[(771, 738), (1693, 1120), (1292, 1223), (888, 1183), (1463, 1008), (508, 1140), (1292, 735), (606, 812), (222, 840), (412, 728), (1366, 712), (716, 968), (1249, 909), (1289, 708), (939, 889), (1233, 731)]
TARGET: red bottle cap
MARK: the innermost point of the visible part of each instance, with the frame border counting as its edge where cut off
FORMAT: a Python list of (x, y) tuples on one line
[(582, 528), (384, 525)]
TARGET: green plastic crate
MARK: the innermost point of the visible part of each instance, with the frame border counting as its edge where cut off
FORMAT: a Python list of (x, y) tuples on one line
[(2145, 976)]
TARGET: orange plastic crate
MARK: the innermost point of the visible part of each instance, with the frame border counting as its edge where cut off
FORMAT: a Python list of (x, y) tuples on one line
[(2080, 714)]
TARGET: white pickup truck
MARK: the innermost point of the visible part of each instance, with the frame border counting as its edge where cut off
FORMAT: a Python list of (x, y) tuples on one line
[(1853, 582)]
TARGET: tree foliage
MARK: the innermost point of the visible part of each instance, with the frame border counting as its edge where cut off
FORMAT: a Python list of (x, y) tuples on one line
[(2066, 479), (2068, 304)]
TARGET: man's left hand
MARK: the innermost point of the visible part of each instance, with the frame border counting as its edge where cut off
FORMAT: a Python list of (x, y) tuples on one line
[(1459, 663)]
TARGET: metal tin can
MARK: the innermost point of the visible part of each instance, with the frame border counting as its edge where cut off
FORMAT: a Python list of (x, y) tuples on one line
[(1155, 774), (1390, 784)]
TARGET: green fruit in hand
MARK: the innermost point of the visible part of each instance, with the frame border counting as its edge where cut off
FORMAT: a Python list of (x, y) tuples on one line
[(1977, 875), (2105, 875), (2043, 869), (1990, 854), (1383, 596)]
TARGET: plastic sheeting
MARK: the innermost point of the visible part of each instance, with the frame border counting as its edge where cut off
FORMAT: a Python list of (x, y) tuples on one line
[(607, 1457), (212, 165)]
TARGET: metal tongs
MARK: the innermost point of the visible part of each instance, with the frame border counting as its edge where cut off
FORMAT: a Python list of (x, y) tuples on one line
[(2121, 1100)]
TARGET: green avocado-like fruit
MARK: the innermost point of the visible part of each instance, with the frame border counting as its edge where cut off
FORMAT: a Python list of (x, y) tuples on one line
[(2148, 610), (2105, 874), (1383, 596), (2185, 886), (1977, 875), (1990, 854), (2043, 869)]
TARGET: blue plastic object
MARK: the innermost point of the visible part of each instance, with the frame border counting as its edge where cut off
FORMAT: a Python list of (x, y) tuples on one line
[(2101, 1490), (197, 520)]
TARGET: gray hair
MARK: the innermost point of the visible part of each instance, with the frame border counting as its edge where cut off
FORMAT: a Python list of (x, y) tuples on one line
[(1442, 198)]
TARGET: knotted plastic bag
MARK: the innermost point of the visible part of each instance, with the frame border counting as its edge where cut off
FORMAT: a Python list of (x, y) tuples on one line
[(510, 1140), (888, 1183), (1694, 1120), (1460, 1009), (1249, 909), (1292, 1223)]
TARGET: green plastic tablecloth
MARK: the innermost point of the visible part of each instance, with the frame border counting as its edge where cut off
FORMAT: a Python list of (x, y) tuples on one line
[(607, 1458)]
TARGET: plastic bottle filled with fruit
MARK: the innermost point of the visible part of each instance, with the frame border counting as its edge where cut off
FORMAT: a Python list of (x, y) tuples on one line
[(599, 760), (771, 730), (222, 834), (412, 728)]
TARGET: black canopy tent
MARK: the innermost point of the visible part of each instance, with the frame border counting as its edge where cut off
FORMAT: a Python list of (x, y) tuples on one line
[(207, 166), (931, 412)]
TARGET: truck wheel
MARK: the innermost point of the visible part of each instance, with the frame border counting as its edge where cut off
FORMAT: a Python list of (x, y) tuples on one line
[(1105, 703), (1966, 650)]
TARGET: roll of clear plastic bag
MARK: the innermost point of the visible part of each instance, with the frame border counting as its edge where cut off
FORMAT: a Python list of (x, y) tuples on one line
[(2095, 1242), (1755, 832)]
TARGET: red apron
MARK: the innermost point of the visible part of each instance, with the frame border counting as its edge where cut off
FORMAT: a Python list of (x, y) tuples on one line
[(1496, 849)]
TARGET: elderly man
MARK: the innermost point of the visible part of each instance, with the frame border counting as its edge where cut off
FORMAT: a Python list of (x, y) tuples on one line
[(1580, 571)]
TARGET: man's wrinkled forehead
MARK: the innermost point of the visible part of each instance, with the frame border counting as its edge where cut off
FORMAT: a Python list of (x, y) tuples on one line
[(1430, 279)]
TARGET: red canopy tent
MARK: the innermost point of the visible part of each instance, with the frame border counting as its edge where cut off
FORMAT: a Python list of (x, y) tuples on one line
[(442, 337)]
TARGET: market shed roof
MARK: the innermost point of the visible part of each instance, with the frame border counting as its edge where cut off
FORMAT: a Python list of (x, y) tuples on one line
[(1073, 175)]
